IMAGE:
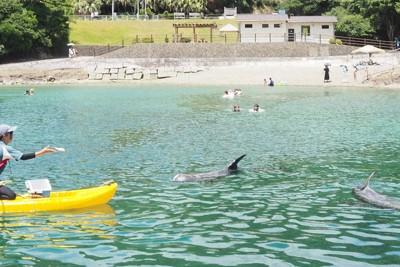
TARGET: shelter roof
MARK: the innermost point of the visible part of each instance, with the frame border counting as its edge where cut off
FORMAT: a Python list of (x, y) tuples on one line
[(194, 25), (229, 28)]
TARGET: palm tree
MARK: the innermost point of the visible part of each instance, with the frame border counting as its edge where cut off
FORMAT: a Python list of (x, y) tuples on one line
[(86, 6)]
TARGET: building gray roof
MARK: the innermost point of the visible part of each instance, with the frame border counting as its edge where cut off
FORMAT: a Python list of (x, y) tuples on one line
[(332, 19), (261, 17), (286, 18)]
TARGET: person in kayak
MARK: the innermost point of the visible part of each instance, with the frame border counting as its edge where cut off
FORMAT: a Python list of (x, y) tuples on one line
[(7, 153)]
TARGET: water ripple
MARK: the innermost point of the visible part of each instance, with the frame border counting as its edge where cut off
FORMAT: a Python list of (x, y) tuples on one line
[(290, 205)]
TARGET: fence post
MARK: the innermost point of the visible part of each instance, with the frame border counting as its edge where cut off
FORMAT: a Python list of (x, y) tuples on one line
[(255, 37), (94, 52), (225, 37), (320, 39), (108, 48), (123, 43), (137, 38), (270, 37), (151, 38)]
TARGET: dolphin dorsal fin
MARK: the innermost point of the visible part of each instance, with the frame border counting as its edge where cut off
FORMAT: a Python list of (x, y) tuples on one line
[(233, 166), (367, 181)]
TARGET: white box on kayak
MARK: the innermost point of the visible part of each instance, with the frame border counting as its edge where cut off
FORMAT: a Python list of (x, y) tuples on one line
[(39, 186)]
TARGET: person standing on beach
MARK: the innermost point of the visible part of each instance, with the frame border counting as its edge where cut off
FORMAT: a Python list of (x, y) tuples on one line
[(345, 73), (7, 153), (326, 77)]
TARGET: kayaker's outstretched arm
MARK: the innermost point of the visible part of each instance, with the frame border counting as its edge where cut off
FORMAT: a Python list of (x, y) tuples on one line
[(45, 150), (28, 156)]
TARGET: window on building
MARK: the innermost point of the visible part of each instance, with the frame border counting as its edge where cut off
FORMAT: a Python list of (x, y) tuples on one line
[(325, 26), (248, 25), (277, 25), (265, 25)]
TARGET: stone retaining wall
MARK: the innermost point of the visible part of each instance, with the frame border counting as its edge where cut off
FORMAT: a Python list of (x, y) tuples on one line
[(158, 61), (215, 51)]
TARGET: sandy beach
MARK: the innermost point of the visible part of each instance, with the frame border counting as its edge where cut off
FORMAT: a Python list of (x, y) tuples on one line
[(284, 71)]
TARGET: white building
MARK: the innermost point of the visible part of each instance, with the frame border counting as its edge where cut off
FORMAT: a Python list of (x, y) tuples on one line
[(284, 28)]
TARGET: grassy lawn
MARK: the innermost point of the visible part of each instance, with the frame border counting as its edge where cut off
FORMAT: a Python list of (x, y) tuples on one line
[(102, 32)]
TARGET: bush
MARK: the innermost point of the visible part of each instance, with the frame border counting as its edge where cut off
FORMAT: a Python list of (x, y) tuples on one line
[(167, 15), (335, 41), (185, 40), (147, 40)]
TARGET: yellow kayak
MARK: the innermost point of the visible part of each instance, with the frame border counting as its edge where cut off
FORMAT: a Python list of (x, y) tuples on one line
[(61, 200)]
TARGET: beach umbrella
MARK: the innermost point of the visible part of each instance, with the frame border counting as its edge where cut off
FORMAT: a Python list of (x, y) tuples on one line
[(368, 49), (229, 28)]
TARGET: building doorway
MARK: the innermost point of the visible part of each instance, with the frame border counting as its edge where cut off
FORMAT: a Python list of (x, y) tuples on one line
[(305, 32)]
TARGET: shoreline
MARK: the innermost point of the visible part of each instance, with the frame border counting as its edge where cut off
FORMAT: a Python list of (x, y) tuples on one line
[(284, 71)]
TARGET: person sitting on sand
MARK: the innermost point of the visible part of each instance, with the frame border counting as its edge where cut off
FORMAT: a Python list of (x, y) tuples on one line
[(236, 108), (271, 82)]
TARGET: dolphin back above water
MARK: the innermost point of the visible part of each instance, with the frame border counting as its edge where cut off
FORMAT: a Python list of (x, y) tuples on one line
[(369, 195), (232, 168)]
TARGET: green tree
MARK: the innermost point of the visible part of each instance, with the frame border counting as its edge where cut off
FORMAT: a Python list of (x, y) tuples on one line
[(18, 27), (350, 24), (29, 27), (86, 6), (53, 23), (384, 15), (308, 7)]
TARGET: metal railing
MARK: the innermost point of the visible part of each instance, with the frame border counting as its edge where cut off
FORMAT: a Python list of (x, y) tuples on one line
[(116, 17), (218, 37), (142, 17), (242, 38)]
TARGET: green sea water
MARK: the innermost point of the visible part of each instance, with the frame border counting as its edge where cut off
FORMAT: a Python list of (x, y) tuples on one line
[(290, 205)]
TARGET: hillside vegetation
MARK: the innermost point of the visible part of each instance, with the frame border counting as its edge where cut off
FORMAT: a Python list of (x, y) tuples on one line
[(101, 32)]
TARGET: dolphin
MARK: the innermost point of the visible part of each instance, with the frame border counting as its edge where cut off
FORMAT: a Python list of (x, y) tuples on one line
[(369, 195), (232, 168)]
